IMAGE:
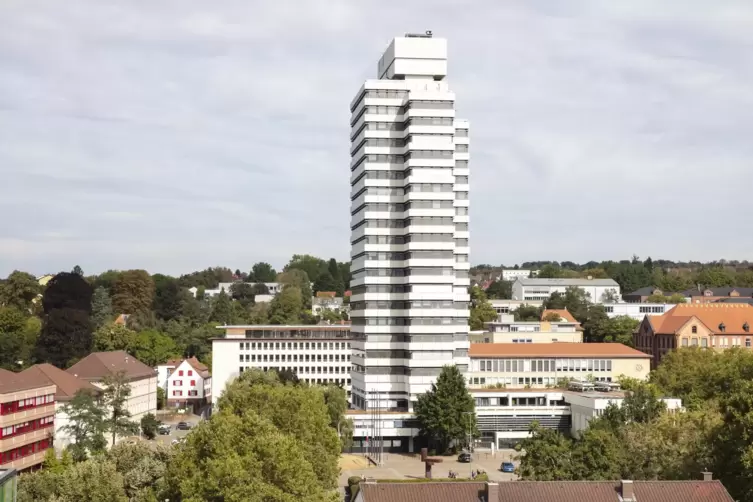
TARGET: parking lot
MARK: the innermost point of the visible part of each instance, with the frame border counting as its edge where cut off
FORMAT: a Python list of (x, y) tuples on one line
[(403, 466), (174, 433)]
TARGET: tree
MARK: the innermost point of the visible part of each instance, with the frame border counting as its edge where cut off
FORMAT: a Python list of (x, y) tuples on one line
[(13, 345), (527, 313), (143, 467), (259, 289), (167, 297), (133, 293), (337, 404), (299, 279), (335, 270), (222, 309), (235, 458), (243, 292), (481, 309), (114, 337), (325, 282), (259, 314), (94, 480), (19, 290), (446, 412), (149, 424), (154, 348), (78, 271), (548, 455), (86, 425), (262, 272), (311, 265), (600, 328), (286, 307), (715, 277), (500, 290), (115, 396), (101, 308), (552, 317)]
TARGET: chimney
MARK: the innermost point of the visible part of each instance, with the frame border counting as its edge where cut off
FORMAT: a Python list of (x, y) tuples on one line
[(626, 491), (707, 476), (492, 492)]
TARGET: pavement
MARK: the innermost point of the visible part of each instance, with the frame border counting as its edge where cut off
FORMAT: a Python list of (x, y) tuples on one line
[(406, 466)]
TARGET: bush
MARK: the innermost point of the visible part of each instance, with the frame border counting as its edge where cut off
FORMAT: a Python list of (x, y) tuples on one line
[(149, 426)]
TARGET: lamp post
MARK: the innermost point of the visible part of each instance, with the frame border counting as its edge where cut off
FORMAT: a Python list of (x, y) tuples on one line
[(470, 445)]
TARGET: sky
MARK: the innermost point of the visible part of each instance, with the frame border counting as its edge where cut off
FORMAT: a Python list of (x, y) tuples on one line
[(175, 135)]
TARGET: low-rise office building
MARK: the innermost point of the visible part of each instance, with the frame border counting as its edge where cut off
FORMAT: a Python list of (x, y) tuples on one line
[(66, 386), (637, 311), (98, 366), (27, 419), (512, 274), (693, 295), (707, 325), (317, 354), (507, 330), (541, 365), (535, 289)]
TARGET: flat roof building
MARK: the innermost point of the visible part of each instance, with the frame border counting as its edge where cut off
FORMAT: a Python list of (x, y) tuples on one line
[(316, 354), (536, 289)]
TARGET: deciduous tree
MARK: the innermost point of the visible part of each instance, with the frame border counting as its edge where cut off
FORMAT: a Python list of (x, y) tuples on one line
[(481, 309), (19, 290), (114, 337), (133, 293), (86, 425), (286, 307), (262, 272), (115, 396)]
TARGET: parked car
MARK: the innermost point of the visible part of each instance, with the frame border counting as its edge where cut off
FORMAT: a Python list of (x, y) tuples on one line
[(183, 426), (507, 467), (464, 457), (164, 429)]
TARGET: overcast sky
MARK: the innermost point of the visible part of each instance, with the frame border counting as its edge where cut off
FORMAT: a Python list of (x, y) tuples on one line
[(174, 135)]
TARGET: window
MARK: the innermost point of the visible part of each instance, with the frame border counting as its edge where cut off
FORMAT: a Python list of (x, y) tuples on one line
[(177, 383), (190, 373), (177, 393), (684, 342), (747, 342), (180, 373), (193, 382), (694, 329)]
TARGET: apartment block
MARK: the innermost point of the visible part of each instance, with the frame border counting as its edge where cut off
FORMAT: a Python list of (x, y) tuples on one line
[(27, 419)]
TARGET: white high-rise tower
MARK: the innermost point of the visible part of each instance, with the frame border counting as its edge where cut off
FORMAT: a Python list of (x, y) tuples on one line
[(409, 193)]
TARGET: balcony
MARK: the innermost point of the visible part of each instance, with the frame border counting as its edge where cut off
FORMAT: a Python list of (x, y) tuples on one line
[(24, 463), (24, 439), (27, 415)]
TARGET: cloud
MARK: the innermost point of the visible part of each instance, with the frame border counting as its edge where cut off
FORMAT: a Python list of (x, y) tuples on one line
[(178, 135)]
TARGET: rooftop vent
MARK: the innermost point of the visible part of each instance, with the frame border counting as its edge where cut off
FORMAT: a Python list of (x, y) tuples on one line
[(746, 326), (722, 327)]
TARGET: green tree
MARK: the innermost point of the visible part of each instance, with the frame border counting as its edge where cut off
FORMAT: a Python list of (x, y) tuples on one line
[(115, 396), (66, 334), (527, 313), (715, 277), (259, 289), (94, 480), (222, 309), (286, 307), (114, 337), (335, 270), (161, 398), (101, 308), (167, 297), (311, 265), (243, 293), (149, 424), (336, 400), (259, 314), (78, 270), (548, 455), (299, 279), (600, 328), (500, 290), (13, 344), (153, 348), (445, 411), (19, 290), (236, 458), (481, 309), (262, 272), (133, 293), (597, 455), (143, 467), (86, 425)]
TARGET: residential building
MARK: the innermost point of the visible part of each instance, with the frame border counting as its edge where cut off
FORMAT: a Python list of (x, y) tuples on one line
[(188, 384), (409, 208), (8, 485), (512, 274), (540, 365), (708, 325), (273, 287), (694, 295), (503, 417), (66, 386), (27, 419), (98, 366), (637, 311), (331, 303), (535, 289), (507, 330), (707, 490), (316, 354)]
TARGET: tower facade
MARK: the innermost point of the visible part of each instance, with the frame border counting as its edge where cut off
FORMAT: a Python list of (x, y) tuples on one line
[(409, 222)]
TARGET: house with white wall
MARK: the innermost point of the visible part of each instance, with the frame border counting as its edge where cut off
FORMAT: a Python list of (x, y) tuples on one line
[(188, 384), (98, 366), (67, 386)]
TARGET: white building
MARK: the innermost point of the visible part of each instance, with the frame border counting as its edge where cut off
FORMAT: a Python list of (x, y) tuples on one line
[(598, 290), (142, 379), (505, 307), (321, 303), (188, 383), (503, 417), (409, 193), (273, 287), (512, 274), (637, 311), (507, 330), (317, 354)]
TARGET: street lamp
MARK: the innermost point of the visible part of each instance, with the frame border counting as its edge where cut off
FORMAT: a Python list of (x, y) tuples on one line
[(470, 445)]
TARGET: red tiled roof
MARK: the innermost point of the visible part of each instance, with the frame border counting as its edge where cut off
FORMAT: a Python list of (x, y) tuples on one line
[(547, 491), (97, 365), (711, 315), (563, 313), (615, 350), (67, 384)]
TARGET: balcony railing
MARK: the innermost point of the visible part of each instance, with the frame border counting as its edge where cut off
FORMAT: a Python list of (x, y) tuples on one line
[(27, 415)]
